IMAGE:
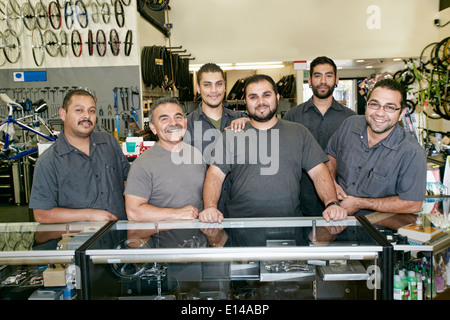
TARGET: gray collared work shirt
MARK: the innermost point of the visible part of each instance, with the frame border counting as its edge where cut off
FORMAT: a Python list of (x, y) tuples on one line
[(396, 166), (66, 177)]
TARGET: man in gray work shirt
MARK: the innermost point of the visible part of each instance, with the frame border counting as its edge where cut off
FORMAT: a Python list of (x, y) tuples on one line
[(82, 175), (378, 166), (322, 115)]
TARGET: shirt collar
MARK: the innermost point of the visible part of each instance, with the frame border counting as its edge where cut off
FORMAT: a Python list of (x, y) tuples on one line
[(334, 104), (63, 146), (392, 141)]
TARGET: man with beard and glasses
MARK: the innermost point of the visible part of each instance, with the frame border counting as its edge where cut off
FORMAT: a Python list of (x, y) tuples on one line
[(322, 115), (82, 175), (265, 162), (378, 166), (166, 181)]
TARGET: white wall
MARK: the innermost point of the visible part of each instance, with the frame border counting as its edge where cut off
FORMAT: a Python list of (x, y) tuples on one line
[(265, 30)]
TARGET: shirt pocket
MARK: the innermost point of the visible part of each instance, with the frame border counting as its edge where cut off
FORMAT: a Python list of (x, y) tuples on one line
[(377, 186)]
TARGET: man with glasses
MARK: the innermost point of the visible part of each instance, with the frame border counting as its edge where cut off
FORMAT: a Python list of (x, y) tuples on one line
[(377, 165)]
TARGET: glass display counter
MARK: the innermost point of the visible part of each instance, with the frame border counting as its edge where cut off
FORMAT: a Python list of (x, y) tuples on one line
[(421, 248), (38, 260), (238, 259)]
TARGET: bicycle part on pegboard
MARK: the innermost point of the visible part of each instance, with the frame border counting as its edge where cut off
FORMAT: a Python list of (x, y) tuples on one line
[(128, 42), (41, 15), (11, 46), (114, 42), (37, 47), (101, 42), (54, 15), (119, 13), (81, 14), (63, 43), (51, 43), (13, 149), (77, 43), (29, 16)]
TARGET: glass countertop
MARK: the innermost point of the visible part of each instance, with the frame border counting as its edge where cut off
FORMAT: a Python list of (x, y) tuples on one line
[(21, 242), (234, 239)]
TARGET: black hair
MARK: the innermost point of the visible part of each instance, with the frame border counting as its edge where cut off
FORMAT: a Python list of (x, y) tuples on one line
[(257, 78), (209, 67), (321, 60), (393, 85)]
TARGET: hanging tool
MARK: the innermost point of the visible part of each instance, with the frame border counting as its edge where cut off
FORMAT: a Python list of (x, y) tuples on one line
[(126, 98), (133, 93), (116, 106)]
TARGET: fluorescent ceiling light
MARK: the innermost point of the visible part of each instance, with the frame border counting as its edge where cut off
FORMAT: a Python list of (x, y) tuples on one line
[(243, 66), (360, 60)]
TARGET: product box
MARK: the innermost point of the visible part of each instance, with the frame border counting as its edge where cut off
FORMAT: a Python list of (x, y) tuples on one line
[(419, 233), (55, 277)]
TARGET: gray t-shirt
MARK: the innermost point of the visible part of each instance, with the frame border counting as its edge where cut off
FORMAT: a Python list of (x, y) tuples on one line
[(68, 178), (265, 168), (168, 179)]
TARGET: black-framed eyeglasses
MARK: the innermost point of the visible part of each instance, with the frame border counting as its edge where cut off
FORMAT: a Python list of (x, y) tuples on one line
[(387, 107)]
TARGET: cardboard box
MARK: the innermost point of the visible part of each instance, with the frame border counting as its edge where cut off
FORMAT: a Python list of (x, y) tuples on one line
[(55, 277)]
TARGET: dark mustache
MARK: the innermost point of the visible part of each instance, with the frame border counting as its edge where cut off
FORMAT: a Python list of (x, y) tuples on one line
[(80, 122)]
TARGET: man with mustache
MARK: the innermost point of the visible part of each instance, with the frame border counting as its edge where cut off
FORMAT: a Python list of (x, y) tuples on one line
[(82, 175), (166, 181), (256, 191), (378, 166), (322, 115)]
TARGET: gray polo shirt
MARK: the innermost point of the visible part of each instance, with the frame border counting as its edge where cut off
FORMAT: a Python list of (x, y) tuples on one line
[(396, 166), (68, 178), (265, 168), (322, 127)]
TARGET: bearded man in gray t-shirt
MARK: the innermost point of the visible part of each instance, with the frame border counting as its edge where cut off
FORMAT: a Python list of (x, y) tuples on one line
[(166, 181), (265, 162)]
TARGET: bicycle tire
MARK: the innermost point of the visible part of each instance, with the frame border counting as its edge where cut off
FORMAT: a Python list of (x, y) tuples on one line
[(2, 55), (106, 13), (114, 42), (54, 15), (28, 16), (68, 15), (63, 43), (95, 14), (101, 42), (14, 18), (440, 60), (41, 15), (128, 42), (51, 43), (81, 14), (77, 43), (37, 45), (156, 5), (119, 13), (11, 47), (90, 43)]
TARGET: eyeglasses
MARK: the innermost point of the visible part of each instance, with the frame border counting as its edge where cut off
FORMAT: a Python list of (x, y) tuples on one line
[(387, 107)]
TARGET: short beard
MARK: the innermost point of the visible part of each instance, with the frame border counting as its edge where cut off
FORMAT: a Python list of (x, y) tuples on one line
[(264, 118), (325, 95)]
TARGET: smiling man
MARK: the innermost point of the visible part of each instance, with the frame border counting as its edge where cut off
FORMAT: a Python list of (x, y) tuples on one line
[(166, 181), (378, 166), (264, 162), (322, 115), (82, 175)]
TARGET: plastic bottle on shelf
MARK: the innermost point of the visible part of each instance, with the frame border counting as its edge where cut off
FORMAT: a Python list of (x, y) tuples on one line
[(404, 281), (412, 285), (447, 269), (399, 288), (439, 279), (424, 281), (431, 284), (419, 283)]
